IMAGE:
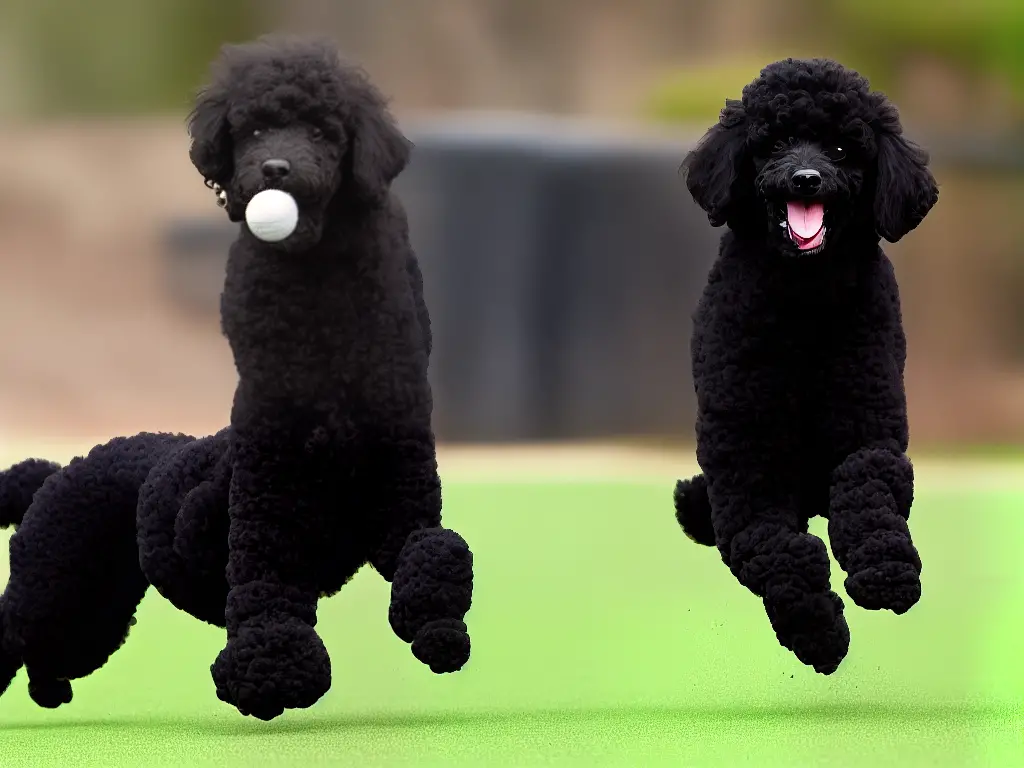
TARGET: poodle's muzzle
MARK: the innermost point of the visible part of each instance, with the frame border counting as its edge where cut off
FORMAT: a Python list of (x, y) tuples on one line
[(292, 159), (805, 194), (297, 160)]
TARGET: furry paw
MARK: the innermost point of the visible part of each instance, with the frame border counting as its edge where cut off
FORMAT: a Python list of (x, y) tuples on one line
[(430, 595), (267, 668), (442, 645), (894, 586), (49, 693), (812, 626), (870, 501)]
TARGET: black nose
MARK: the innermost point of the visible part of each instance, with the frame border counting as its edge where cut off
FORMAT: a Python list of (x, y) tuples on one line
[(275, 168), (807, 181)]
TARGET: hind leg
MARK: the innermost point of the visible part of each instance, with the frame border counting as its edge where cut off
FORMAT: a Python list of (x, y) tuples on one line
[(183, 527), (763, 538), (48, 692), (754, 467), (68, 624), (75, 579)]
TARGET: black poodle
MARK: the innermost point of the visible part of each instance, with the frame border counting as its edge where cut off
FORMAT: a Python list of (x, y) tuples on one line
[(798, 350), (329, 461)]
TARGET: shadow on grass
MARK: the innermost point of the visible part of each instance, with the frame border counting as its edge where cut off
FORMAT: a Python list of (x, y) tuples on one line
[(231, 726)]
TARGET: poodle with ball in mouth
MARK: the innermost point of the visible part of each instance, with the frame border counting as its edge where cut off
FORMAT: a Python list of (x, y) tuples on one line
[(332, 456), (329, 461), (798, 350)]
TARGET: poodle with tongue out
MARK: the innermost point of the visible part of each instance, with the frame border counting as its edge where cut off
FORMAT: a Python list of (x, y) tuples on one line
[(798, 350)]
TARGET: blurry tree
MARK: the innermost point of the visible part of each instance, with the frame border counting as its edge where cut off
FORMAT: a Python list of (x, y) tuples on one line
[(119, 56), (122, 56), (697, 93), (984, 36), (982, 40)]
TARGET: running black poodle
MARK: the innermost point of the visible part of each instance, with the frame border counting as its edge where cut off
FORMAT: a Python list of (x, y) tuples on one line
[(329, 461), (798, 350)]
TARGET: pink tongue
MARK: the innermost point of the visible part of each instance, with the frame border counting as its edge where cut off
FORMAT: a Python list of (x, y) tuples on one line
[(805, 219)]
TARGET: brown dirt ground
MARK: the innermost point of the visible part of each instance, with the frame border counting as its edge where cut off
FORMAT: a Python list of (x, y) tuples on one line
[(92, 345)]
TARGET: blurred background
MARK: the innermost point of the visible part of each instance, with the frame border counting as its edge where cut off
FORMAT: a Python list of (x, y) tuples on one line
[(562, 257)]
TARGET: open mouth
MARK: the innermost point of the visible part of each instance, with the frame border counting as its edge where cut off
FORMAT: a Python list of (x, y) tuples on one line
[(805, 224)]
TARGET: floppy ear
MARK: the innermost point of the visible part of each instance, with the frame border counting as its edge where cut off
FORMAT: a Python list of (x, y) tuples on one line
[(211, 151), (713, 168), (379, 151), (906, 189)]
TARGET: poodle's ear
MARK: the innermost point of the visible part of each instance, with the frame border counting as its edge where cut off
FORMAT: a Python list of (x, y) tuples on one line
[(906, 189), (211, 151), (379, 152), (713, 168)]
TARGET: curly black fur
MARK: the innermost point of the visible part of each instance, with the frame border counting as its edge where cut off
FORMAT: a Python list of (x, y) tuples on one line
[(329, 461), (75, 580), (798, 351)]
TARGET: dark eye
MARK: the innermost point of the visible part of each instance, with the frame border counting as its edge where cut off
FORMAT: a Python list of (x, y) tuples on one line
[(835, 153), (316, 133)]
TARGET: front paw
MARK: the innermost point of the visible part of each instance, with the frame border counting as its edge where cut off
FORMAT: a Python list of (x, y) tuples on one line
[(812, 626), (442, 645), (430, 595), (269, 667), (893, 586)]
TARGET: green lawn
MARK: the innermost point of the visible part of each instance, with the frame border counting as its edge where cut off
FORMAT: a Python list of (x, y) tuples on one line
[(601, 637)]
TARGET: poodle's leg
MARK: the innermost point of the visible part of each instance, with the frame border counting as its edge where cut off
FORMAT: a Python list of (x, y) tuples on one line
[(18, 486), (430, 568), (763, 538), (752, 446), (281, 516), (869, 505), (45, 690), (48, 692), (75, 579), (864, 425), (403, 492), (183, 527), (10, 659), (431, 594)]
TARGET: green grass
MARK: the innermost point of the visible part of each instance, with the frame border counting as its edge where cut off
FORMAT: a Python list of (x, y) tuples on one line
[(602, 637)]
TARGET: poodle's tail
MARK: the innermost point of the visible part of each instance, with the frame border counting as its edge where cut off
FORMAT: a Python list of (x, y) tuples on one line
[(693, 510), (17, 487)]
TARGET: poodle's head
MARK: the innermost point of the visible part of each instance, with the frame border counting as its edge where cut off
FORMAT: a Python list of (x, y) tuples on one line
[(807, 157), (287, 113)]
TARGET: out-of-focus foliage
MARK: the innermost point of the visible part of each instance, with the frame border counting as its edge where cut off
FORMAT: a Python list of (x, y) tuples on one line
[(877, 37), (124, 56), (119, 56), (985, 36), (698, 94)]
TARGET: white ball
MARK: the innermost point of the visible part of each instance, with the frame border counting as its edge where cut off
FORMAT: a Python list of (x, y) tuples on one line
[(272, 215)]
